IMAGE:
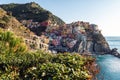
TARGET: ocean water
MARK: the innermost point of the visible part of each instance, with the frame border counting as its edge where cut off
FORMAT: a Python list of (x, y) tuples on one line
[(110, 65), (114, 42)]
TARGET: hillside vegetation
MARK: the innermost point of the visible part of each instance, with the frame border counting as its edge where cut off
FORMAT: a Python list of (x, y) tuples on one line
[(31, 11), (10, 23)]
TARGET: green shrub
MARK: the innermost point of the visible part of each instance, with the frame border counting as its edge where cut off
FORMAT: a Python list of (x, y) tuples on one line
[(44, 66)]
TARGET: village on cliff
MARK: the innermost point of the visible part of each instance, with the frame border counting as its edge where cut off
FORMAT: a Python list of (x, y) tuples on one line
[(73, 37)]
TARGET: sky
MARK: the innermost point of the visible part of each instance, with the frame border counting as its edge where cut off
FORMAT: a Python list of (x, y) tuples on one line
[(104, 13)]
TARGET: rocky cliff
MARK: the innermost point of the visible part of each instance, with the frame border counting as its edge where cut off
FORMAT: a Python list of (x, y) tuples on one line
[(93, 41), (60, 37), (77, 37)]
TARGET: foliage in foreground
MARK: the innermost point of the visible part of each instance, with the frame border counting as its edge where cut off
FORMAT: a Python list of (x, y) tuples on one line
[(44, 66), (39, 65)]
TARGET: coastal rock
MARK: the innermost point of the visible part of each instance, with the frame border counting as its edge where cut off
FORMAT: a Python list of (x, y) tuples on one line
[(100, 45), (115, 52)]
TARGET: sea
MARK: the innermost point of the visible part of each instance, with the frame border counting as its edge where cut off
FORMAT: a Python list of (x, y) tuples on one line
[(109, 65)]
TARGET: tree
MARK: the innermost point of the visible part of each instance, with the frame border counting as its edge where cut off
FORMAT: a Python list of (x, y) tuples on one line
[(9, 43)]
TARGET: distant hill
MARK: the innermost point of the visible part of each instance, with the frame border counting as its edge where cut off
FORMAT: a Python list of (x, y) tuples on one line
[(31, 11)]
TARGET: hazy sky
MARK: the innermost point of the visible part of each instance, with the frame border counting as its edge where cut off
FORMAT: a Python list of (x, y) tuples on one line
[(104, 13)]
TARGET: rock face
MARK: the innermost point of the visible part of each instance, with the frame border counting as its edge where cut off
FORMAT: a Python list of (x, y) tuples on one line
[(96, 43), (99, 43), (52, 31)]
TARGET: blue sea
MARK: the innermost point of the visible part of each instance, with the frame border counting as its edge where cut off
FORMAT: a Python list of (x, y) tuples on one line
[(110, 65)]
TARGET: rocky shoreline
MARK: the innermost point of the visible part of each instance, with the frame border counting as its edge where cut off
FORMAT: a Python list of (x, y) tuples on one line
[(114, 52)]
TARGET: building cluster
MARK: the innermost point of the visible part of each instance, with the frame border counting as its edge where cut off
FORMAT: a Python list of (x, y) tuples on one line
[(38, 42), (63, 38)]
